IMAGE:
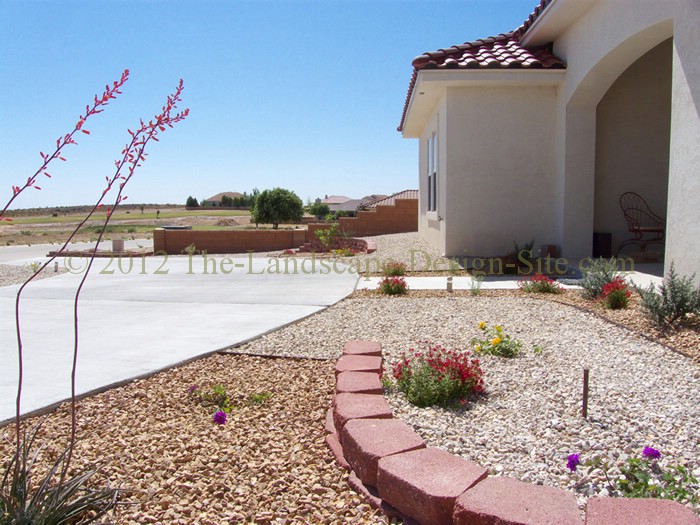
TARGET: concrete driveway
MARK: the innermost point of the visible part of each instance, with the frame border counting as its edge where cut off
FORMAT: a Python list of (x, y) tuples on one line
[(142, 314)]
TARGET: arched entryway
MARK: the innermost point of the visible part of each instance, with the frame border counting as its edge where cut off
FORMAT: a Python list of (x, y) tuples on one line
[(633, 125)]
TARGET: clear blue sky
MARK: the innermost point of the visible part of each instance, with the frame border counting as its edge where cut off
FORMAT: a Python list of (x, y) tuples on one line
[(302, 94)]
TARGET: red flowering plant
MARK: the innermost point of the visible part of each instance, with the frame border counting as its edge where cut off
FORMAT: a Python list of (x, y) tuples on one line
[(394, 269), (393, 286), (434, 375), (65, 500), (616, 294), (539, 283)]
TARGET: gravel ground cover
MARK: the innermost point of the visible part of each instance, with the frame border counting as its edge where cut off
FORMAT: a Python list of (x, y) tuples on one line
[(642, 393), (269, 464), (12, 274)]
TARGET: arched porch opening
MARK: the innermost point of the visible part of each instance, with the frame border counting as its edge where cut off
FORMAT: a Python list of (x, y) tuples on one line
[(632, 143)]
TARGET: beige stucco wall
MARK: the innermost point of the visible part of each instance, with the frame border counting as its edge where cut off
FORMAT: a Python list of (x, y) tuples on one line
[(598, 48), (633, 124), (500, 185), (430, 225), (683, 219)]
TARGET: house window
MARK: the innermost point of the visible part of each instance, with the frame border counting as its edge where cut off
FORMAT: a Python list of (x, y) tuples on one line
[(432, 171)]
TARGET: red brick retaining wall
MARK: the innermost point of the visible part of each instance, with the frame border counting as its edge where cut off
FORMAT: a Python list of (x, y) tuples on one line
[(395, 471)]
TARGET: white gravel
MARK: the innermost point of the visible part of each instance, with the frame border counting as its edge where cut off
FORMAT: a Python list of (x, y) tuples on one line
[(641, 394), (13, 274)]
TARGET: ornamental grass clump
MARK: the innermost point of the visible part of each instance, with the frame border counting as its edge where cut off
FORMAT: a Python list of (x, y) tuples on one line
[(616, 294), (434, 375), (539, 283), (393, 286), (643, 477), (676, 299), (496, 342)]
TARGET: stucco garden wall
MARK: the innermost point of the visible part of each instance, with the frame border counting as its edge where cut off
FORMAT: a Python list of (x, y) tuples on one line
[(499, 169), (632, 141)]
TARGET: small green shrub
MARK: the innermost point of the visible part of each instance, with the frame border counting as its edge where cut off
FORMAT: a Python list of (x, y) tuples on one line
[(596, 275), (214, 396), (677, 297), (394, 269), (475, 284), (539, 283), (328, 236), (434, 375), (393, 286), (259, 398), (496, 342)]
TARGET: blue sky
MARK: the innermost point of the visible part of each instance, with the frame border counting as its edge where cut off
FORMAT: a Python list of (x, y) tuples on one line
[(302, 94)]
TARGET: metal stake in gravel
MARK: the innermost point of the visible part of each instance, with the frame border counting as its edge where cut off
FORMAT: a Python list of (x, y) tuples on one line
[(449, 284), (584, 408)]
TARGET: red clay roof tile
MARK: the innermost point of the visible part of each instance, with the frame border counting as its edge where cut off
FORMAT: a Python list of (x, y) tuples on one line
[(497, 52)]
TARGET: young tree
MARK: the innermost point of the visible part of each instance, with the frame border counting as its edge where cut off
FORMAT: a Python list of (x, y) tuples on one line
[(319, 210), (192, 202), (277, 205)]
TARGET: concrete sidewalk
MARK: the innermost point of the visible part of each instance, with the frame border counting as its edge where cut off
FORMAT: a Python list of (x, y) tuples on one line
[(147, 314), (499, 282)]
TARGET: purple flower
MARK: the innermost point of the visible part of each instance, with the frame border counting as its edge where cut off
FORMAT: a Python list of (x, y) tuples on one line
[(573, 462), (220, 417), (192, 388), (651, 453)]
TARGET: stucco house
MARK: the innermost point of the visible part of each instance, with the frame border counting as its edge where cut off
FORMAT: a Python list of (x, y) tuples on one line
[(538, 132)]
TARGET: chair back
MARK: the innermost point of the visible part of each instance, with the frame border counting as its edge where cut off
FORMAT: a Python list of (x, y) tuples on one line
[(637, 212)]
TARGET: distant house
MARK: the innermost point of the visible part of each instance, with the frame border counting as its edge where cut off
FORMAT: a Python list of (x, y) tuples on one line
[(390, 200), (537, 132), (216, 199), (335, 199), (346, 204)]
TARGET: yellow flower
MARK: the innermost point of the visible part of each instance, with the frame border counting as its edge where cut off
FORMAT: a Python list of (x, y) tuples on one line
[(499, 328), (495, 341), (477, 348), (482, 325)]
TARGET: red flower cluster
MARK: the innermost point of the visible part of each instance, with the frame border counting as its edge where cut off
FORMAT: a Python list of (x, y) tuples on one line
[(540, 284), (393, 285), (615, 294), (448, 364), (618, 284)]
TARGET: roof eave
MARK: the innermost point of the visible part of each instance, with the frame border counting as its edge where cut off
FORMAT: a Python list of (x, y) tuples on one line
[(556, 17), (430, 84)]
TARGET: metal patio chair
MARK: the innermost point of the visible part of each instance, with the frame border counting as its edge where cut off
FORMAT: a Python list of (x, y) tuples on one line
[(644, 224)]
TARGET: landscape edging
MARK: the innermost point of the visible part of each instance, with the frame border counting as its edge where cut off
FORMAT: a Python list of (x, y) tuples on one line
[(507, 501)]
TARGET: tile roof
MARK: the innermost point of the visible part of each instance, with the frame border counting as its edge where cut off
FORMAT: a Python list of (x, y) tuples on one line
[(391, 199), (531, 19), (498, 52), (232, 194)]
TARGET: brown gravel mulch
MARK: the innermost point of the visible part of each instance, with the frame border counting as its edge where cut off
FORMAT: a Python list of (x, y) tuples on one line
[(267, 465)]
